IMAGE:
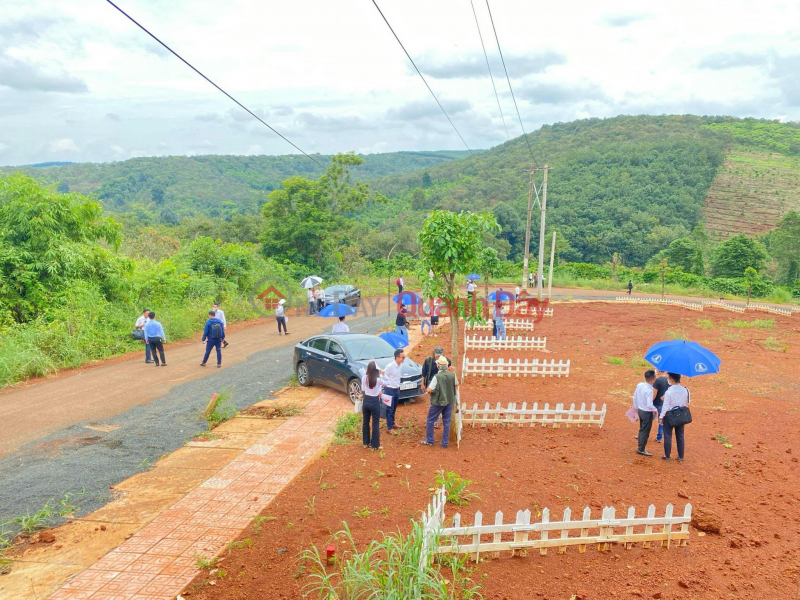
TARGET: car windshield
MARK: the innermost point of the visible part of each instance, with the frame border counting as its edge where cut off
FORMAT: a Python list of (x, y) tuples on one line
[(367, 348), (335, 289)]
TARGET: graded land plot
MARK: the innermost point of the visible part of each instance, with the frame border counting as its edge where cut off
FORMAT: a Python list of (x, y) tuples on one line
[(741, 470)]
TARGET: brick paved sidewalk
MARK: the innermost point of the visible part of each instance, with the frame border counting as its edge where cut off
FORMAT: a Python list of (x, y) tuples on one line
[(158, 561)]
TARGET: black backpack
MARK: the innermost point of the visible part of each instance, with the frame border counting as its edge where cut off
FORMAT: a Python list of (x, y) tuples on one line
[(216, 331)]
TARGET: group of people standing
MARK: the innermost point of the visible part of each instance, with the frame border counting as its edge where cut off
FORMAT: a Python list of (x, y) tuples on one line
[(154, 337), (316, 299), (654, 399)]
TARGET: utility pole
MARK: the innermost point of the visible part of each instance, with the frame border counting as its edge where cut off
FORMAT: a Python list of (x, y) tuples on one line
[(550, 275), (528, 233), (541, 236)]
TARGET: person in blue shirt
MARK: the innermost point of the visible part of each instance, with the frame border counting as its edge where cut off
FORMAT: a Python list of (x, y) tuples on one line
[(154, 336), (213, 336)]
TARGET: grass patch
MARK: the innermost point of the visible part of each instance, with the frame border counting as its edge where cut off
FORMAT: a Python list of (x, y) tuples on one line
[(615, 360), (47, 516), (202, 562), (731, 335), (774, 345), (388, 568), (456, 488), (676, 334), (362, 512), (723, 439), (754, 324), (638, 363), (705, 324), (224, 410), (346, 428)]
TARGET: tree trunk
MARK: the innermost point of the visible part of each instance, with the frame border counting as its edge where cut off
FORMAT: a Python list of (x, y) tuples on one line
[(748, 295), (452, 434)]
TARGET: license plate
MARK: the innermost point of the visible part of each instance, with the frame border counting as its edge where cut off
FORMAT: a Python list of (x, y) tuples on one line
[(409, 385)]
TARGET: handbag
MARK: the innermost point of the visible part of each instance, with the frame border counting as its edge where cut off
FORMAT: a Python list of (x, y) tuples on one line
[(680, 415), (137, 334)]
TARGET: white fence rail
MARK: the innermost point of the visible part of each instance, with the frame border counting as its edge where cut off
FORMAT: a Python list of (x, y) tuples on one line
[(523, 415), (510, 343), (724, 306), (784, 312), (604, 531), (432, 523), (668, 301), (521, 324), (515, 368)]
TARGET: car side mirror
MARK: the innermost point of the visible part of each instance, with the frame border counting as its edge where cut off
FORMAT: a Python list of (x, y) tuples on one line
[(338, 356)]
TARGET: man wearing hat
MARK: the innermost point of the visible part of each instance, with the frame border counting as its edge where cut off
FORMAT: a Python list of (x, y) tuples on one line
[(442, 389), (429, 368), (281, 317)]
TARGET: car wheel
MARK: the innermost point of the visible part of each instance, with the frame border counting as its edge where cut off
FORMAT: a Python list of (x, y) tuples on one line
[(354, 390), (302, 374)]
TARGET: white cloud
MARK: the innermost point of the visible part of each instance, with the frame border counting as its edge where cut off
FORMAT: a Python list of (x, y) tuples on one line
[(255, 149), (63, 145)]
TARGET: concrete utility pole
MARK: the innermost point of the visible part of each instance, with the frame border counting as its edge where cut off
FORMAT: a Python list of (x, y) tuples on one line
[(541, 236), (550, 275), (528, 233)]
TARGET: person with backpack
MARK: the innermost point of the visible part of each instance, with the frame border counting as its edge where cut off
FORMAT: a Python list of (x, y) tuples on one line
[(213, 336)]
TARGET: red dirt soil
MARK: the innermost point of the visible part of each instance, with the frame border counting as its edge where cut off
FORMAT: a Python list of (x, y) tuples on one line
[(754, 486)]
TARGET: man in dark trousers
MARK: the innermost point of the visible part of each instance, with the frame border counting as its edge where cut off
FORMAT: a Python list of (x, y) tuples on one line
[(661, 385), (401, 322), (154, 335), (443, 396), (213, 336), (630, 287), (643, 402)]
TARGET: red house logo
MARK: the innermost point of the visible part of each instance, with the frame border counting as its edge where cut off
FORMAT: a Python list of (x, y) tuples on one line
[(271, 297)]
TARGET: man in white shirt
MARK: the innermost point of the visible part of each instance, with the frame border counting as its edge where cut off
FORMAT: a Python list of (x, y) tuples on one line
[(140, 323), (221, 316), (391, 376), (643, 398), (312, 302), (340, 327)]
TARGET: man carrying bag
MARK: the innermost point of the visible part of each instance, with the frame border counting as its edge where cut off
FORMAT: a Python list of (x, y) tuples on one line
[(675, 414)]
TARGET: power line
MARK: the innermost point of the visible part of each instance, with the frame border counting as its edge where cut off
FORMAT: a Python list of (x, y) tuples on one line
[(508, 79), (184, 61), (421, 77), (488, 68)]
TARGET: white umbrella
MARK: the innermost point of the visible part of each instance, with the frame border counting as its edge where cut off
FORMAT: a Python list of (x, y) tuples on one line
[(311, 281)]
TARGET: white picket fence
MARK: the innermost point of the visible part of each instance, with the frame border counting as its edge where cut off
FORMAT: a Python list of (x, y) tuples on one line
[(668, 301), (510, 343), (521, 324), (511, 414), (603, 531), (511, 367), (784, 312), (432, 523), (724, 306)]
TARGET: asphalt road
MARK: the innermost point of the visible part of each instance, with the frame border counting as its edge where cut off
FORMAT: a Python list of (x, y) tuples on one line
[(84, 458)]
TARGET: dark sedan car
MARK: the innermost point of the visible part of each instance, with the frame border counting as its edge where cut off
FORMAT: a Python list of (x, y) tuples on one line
[(336, 360), (346, 294)]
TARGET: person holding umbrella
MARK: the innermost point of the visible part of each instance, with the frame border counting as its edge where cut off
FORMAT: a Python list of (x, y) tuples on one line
[(676, 397), (309, 283)]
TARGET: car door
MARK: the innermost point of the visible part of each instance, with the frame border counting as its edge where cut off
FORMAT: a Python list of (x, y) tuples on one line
[(316, 356), (336, 368)]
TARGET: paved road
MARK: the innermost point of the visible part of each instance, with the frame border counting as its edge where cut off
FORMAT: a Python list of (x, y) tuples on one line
[(93, 429)]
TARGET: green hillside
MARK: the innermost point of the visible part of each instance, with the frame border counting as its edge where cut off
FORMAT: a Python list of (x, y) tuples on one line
[(216, 186)]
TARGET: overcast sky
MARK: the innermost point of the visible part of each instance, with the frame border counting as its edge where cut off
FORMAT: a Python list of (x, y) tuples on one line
[(80, 82)]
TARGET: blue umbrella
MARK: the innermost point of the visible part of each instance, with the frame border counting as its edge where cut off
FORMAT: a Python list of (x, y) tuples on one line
[(337, 310), (473, 276), (504, 295), (407, 298), (684, 358), (395, 340)]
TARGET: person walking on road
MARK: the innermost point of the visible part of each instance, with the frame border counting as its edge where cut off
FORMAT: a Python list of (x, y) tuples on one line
[(391, 376), (280, 316), (371, 385), (662, 385), (213, 336), (154, 335), (675, 396), (340, 327), (643, 402), (630, 286), (400, 283), (140, 323), (443, 396), (221, 316), (401, 322)]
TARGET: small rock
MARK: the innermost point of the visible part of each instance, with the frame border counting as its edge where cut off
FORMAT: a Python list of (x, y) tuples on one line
[(658, 596), (47, 537), (103, 528), (706, 520), (683, 584), (682, 494), (281, 550)]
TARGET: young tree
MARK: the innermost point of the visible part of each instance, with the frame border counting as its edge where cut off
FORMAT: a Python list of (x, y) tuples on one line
[(489, 265), (735, 254), (751, 276), (784, 245), (451, 243)]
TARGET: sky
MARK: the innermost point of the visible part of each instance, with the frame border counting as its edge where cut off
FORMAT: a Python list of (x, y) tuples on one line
[(80, 82)]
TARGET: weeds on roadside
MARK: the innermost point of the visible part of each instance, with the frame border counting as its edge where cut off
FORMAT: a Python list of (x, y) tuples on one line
[(246, 543), (388, 568), (346, 427), (224, 410), (293, 382), (311, 506), (258, 522), (202, 562), (47, 516), (456, 488)]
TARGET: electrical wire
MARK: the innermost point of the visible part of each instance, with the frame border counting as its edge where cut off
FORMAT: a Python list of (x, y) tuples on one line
[(242, 106), (508, 79), (488, 68), (422, 77)]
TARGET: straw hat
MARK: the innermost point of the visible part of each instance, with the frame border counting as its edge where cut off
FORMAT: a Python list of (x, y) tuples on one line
[(441, 362)]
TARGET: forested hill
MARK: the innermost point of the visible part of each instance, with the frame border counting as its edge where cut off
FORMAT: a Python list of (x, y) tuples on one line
[(212, 185), (628, 184)]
